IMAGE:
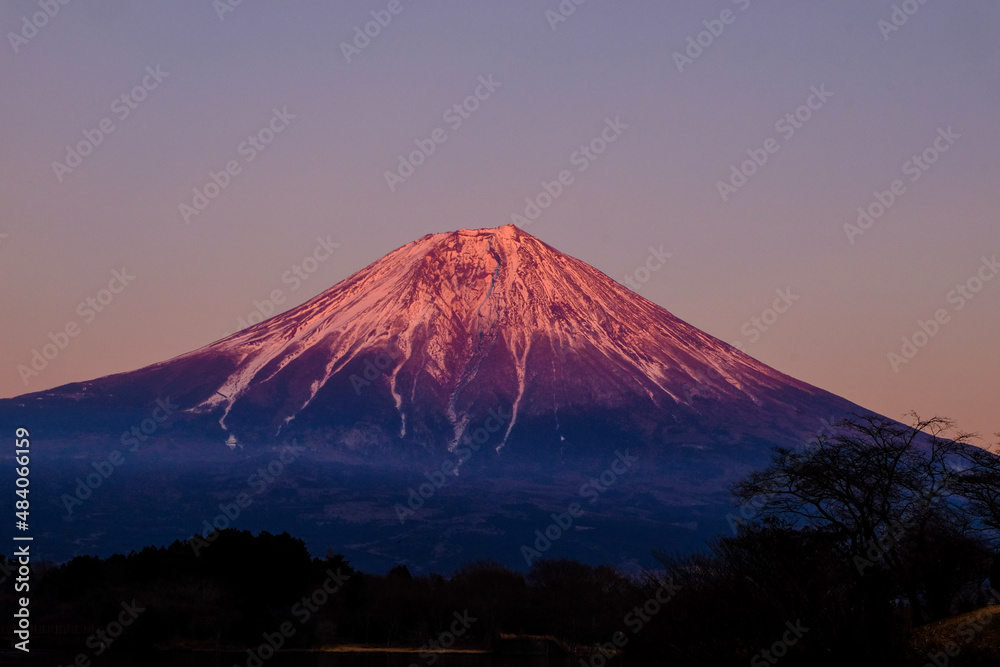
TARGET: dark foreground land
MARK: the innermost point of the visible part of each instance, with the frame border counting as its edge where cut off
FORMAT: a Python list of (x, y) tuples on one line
[(874, 547), (243, 596)]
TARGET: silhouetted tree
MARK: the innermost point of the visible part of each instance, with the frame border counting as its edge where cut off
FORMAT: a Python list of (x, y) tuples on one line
[(980, 483), (739, 598), (493, 593), (873, 482)]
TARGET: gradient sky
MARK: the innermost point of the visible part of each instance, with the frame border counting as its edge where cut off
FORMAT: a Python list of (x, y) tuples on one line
[(323, 175)]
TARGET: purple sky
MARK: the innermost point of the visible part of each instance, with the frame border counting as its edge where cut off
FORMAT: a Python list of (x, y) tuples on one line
[(555, 85)]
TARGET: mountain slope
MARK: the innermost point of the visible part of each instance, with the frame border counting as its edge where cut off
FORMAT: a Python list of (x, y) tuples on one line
[(427, 340), (449, 398)]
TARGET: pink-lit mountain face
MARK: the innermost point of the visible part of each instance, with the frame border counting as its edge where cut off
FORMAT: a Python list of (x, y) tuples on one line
[(420, 348), (449, 399)]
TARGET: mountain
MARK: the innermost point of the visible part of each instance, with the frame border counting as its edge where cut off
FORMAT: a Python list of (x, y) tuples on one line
[(476, 338), (430, 338)]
